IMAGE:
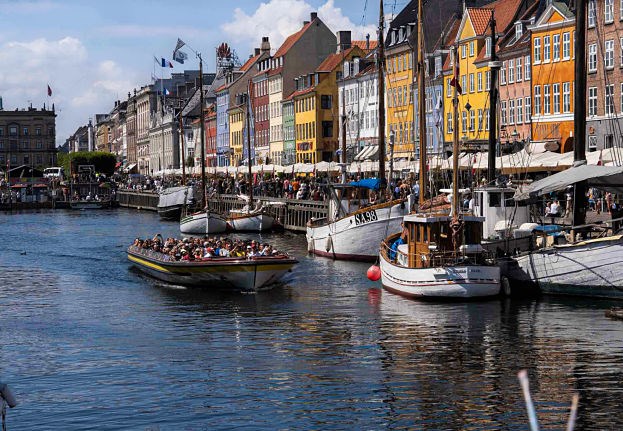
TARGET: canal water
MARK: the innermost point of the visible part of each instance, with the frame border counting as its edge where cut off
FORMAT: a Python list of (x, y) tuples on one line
[(87, 342)]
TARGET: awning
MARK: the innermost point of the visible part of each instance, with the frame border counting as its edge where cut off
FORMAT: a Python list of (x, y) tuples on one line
[(367, 152), (608, 178)]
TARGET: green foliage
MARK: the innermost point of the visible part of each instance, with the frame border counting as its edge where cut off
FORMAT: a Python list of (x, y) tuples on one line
[(104, 162)]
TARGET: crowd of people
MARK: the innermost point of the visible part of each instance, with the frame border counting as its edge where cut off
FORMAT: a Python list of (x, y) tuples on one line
[(206, 248)]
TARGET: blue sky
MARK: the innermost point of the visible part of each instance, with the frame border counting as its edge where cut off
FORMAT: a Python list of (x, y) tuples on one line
[(93, 52)]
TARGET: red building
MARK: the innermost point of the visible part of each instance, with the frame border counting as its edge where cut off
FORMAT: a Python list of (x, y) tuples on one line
[(210, 137)]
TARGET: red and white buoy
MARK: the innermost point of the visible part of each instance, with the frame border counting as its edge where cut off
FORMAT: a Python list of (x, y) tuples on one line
[(374, 273)]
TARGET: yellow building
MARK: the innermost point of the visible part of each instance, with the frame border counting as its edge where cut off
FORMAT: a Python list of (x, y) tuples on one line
[(399, 95), (236, 135), (553, 82), (316, 108), (473, 45)]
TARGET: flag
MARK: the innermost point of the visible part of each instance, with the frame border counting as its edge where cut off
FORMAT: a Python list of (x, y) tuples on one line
[(178, 55), (165, 63), (455, 78), (49, 91), (437, 112)]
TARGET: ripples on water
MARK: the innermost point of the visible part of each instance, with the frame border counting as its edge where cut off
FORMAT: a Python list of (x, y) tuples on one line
[(87, 342)]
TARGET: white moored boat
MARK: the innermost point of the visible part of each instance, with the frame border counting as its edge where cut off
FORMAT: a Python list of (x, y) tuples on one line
[(254, 221), (203, 223), (355, 236)]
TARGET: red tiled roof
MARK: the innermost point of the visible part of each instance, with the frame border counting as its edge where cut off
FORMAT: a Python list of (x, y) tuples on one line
[(363, 43), (221, 88), (291, 40), (275, 71), (247, 65), (480, 18), (301, 92), (333, 60)]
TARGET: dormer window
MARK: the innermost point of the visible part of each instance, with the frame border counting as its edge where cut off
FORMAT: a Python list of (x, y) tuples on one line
[(488, 47), (518, 30)]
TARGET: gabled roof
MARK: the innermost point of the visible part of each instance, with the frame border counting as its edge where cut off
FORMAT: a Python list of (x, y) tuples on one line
[(247, 65), (291, 40), (364, 43), (333, 60), (479, 17), (302, 92)]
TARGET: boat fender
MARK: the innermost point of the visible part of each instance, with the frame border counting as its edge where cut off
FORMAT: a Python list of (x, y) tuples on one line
[(329, 244), (310, 245)]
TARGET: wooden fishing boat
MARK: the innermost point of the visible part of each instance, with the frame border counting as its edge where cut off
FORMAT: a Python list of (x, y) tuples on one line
[(248, 275), (203, 222)]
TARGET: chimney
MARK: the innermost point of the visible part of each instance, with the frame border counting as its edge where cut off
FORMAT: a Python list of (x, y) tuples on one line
[(257, 51), (368, 41), (265, 44), (314, 15), (343, 40)]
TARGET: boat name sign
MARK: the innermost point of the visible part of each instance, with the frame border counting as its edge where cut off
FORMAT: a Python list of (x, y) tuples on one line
[(365, 217)]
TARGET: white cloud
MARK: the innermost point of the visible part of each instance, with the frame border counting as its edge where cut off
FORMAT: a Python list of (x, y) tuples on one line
[(80, 86), (278, 19)]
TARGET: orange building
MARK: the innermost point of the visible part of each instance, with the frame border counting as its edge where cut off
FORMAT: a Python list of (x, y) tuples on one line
[(553, 78)]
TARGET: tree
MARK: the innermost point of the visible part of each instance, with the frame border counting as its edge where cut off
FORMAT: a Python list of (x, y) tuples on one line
[(104, 162)]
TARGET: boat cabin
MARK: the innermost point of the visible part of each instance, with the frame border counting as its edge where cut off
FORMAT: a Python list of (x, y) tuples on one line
[(429, 240), (500, 212)]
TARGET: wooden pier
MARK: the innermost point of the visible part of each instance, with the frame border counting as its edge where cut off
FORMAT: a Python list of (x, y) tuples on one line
[(292, 213)]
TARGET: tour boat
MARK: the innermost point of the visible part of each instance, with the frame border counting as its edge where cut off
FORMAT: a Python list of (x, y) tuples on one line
[(438, 255), (203, 222), (248, 275)]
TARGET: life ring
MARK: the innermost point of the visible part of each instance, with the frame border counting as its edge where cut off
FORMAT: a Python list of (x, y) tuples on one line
[(329, 244)]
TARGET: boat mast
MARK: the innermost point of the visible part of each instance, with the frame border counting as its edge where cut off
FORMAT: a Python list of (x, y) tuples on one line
[(455, 140), (579, 112), (202, 128), (494, 65), (421, 103), (183, 151), (380, 64), (248, 114)]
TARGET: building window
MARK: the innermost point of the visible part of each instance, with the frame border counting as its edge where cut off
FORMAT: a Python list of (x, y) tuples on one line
[(591, 13), (448, 87), (566, 46), (471, 82), (487, 119), (511, 71), (25, 131), (464, 121), (503, 73), (519, 111), (471, 48), (327, 129), (556, 47), (556, 88), (464, 82), (537, 50), (566, 97), (503, 110), (592, 142), (527, 113), (472, 120), (511, 112), (13, 131), (537, 100), (609, 99), (546, 49), (449, 121), (479, 81), (609, 11), (488, 44), (487, 80), (546, 100), (608, 141), (609, 56), (479, 120), (519, 70), (592, 58), (463, 50)]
